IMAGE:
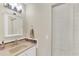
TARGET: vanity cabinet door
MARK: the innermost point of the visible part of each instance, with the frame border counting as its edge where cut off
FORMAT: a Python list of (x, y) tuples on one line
[(29, 52)]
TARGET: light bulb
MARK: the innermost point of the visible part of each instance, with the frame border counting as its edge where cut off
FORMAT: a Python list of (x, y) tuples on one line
[(13, 5), (19, 7)]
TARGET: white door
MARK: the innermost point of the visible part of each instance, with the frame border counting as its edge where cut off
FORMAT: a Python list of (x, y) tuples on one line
[(76, 29), (62, 42)]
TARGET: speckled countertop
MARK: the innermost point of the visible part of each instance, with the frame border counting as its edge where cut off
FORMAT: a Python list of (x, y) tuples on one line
[(12, 49)]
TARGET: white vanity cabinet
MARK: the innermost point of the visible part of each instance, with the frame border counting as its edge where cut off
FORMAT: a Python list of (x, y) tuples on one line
[(29, 52)]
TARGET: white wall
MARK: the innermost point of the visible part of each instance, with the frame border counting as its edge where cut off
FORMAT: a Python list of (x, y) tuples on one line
[(39, 15)]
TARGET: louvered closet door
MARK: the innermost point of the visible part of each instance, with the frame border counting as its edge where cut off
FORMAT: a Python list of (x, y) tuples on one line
[(62, 42)]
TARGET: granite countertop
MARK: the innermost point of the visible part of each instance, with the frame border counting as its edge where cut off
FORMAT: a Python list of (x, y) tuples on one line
[(12, 49)]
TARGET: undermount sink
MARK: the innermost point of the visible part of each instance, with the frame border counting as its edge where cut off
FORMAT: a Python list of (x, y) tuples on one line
[(16, 49)]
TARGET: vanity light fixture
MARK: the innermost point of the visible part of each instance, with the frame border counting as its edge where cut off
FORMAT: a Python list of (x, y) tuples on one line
[(14, 6)]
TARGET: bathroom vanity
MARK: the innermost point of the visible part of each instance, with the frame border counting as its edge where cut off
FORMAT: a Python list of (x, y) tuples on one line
[(23, 47)]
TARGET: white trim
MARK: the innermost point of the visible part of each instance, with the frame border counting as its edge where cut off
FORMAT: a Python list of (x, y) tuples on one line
[(13, 35), (5, 25)]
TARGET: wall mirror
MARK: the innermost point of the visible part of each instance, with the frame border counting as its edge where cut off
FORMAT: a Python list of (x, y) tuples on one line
[(13, 25)]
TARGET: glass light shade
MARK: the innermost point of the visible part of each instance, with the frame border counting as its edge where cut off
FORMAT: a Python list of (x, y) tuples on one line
[(19, 7), (13, 5)]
